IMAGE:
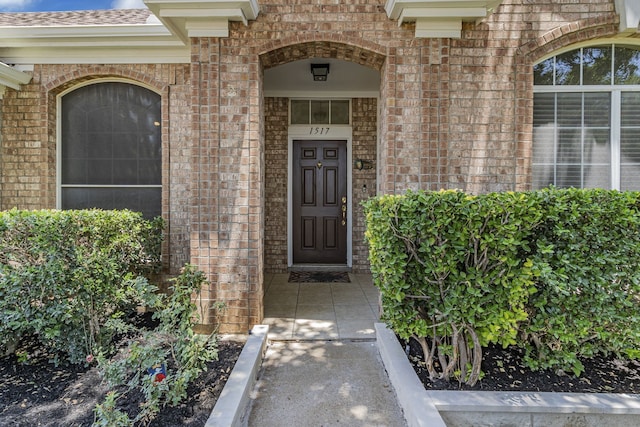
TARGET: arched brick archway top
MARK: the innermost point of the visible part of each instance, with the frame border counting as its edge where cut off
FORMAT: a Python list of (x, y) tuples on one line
[(323, 49)]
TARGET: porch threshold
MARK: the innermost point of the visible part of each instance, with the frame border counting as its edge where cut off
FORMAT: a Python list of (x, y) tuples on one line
[(320, 267)]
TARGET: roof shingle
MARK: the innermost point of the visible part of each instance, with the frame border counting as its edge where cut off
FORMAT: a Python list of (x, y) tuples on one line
[(73, 18)]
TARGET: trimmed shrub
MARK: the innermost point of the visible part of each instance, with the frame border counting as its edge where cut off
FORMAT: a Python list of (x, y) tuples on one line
[(453, 268), (67, 278), (554, 271), (587, 250)]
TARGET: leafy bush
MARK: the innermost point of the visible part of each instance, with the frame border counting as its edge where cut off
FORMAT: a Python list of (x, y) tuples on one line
[(453, 268), (67, 278), (554, 271), (589, 290), (172, 345)]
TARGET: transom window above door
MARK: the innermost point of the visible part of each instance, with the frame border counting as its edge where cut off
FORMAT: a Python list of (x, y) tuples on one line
[(586, 120), (320, 112)]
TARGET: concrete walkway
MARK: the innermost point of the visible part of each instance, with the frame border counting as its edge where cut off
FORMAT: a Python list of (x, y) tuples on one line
[(321, 384)]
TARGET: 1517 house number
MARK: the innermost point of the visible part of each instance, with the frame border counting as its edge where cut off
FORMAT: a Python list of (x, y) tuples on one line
[(318, 131)]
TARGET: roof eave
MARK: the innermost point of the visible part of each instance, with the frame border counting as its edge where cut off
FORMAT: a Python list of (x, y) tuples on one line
[(442, 18)]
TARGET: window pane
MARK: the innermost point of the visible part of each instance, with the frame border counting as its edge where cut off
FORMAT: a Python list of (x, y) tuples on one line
[(627, 66), (569, 146), (319, 112), (544, 108), (544, 156), (630, 146), (597, 109), (568, 68), (145, 200), (569, 176), (299, 112), (570, 109), (543, 72), (630, 141), (340, 112), (597, 177), (597, 158), (596, 63), (630, 177), (630, 109)]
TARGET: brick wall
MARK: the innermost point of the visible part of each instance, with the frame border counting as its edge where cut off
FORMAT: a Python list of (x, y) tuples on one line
[(453, 113)]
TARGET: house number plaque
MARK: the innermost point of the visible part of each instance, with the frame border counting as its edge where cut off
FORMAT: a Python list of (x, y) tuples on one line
[(318, 131)]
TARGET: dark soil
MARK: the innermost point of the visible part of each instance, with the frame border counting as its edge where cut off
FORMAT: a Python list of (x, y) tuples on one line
[(504, 371), (36, 393)]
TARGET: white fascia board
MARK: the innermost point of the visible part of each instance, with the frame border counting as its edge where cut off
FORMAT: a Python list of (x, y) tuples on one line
[(177, 15), (83, 31), (250, 8), (427, 28), (411, 14), (629, 11), (12, 78), (95, 55), (204, 15), (450, 13), (94, 35), (208, 28)]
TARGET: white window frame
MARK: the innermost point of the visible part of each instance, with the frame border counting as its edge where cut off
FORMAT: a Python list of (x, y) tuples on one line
[(616, 95)]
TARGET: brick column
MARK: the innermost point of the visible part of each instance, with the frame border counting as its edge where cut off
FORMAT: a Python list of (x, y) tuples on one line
[(227, 201)]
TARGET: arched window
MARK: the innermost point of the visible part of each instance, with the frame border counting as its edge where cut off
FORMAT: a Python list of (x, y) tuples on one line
[(587, 119), (110, 153)]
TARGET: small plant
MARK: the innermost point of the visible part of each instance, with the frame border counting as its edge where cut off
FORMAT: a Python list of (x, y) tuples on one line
[(172, 345), (108, 415)]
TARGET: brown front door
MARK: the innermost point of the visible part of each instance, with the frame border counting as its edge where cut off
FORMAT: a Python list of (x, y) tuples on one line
[(320, 202)]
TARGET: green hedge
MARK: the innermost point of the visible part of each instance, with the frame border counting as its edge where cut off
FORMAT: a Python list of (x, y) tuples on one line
[(553, 271), (588, 253), (68, 277)]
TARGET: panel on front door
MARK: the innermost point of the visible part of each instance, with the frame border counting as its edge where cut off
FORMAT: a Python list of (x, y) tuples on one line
[(319, 202)]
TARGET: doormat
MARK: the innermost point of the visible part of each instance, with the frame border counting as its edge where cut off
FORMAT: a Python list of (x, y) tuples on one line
[(319, 277)]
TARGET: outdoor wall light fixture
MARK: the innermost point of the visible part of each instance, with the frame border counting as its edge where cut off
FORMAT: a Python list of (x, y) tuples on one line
[(363, 164), (320, 72)]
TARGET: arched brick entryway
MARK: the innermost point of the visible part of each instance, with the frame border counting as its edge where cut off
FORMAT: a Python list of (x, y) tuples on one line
[(364, 146)]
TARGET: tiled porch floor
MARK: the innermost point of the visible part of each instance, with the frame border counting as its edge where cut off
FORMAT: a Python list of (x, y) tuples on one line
[(320, 311)]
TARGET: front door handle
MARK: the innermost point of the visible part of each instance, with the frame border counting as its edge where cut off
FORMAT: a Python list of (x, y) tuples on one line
[(344, 211)]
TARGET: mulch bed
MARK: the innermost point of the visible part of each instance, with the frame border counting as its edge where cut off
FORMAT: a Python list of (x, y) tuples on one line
[(504, 371), (36, 393)]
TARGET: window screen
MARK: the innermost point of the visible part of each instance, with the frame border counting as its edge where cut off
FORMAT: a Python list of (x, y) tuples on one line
[(111, 148)]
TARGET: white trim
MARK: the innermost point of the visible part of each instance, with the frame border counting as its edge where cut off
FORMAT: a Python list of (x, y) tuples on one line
[(338, 133), (591, 43), (74, 34), (154, 54), (320, 94), (10, 77), (192, 18), (439, 18), (616, 115)]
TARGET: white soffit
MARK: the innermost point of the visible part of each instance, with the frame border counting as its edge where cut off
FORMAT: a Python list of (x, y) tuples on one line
[(12, 78), (202, 18), (629, 11), (437, 19)]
